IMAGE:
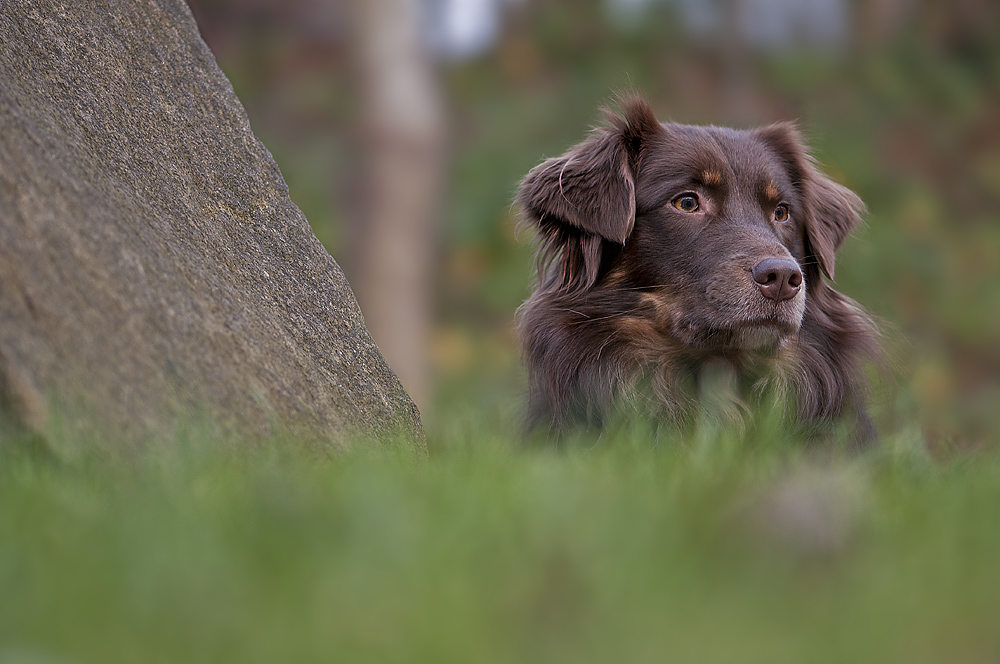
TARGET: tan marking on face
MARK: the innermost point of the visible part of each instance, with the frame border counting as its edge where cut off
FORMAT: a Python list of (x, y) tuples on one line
[(771, 191), (651, 300), (614, 278), (660, 303), (637, 328), (642, 335), (711, 177)]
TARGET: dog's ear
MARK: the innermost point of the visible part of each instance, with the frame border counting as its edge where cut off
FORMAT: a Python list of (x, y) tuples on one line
[(587, 196), (831, 211)]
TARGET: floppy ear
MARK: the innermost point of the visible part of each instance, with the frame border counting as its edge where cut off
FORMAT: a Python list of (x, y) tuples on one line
[(831, 211), (587, 196)]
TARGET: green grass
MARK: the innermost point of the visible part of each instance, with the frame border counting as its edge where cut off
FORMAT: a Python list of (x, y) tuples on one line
[(719, 548)]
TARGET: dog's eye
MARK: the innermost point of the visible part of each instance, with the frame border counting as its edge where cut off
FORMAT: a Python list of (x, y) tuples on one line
[(686, 203), (781, 214)]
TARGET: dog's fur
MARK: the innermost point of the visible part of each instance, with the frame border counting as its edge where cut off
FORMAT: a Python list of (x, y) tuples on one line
[(631, 288)]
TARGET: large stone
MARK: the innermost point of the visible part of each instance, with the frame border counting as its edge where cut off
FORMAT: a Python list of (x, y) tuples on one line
[(153, 269)]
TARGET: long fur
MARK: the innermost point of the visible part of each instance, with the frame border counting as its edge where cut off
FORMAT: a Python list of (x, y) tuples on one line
[(631, 292)]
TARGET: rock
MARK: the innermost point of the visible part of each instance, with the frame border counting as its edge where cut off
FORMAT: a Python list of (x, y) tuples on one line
[(153, 270)]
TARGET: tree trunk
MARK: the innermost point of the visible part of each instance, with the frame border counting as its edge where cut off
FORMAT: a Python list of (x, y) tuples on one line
[(402, 135)]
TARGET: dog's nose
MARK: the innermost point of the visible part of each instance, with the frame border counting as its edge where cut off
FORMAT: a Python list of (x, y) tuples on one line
[(779, 279)]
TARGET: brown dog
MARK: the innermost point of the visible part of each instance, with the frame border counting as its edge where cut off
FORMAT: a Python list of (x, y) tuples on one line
[(666, 249)]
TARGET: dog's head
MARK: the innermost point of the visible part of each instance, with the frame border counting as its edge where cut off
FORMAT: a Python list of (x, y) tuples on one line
[(722, 232)]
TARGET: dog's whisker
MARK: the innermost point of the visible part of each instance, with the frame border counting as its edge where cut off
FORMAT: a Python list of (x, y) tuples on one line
[(605, 289), (592, 319)]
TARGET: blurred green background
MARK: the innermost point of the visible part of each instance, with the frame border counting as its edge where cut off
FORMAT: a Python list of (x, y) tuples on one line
[(899, 100)]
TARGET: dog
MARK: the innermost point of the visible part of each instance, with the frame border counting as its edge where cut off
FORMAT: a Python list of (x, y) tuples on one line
[(667, 253)]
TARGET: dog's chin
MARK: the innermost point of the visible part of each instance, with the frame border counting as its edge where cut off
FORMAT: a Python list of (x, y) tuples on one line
[(761, 335)]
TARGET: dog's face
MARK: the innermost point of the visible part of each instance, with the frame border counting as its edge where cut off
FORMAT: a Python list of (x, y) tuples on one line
[(716, 238), (710, 236)]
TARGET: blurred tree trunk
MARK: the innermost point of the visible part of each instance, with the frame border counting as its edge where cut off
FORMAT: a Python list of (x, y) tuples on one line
[(877, 21), (402, 147), (737, 68)]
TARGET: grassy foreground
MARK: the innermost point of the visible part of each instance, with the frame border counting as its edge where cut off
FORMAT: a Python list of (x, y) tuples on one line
[(722, 548)]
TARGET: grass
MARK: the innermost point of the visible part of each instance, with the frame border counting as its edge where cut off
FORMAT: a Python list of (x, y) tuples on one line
[(720, 548)]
